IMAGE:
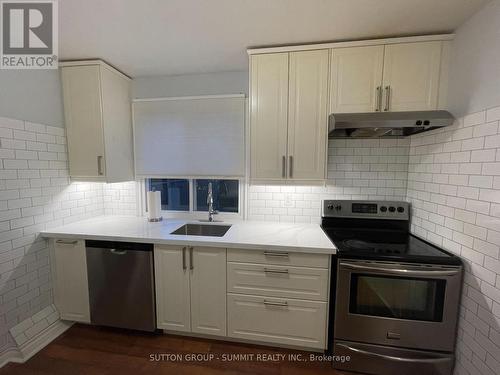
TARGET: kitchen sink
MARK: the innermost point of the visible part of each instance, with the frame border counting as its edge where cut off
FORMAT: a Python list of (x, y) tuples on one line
[(213, 230)]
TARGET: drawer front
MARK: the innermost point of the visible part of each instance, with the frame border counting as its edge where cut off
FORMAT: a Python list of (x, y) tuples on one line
[(278, 257), (280, 321), (278, 281)]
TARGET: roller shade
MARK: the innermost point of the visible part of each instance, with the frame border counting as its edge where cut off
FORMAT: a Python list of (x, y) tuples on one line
[(191, 136)]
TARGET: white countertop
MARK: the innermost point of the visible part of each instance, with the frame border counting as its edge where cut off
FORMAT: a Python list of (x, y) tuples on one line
[(242, 234)]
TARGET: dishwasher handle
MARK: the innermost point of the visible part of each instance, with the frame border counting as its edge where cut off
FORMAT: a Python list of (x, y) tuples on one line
[(118, 252)]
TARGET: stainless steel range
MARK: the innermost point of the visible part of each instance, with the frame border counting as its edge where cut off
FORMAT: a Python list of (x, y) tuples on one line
[(397, 296)]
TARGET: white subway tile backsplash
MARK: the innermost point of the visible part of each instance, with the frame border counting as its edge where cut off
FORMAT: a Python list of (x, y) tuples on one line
[(469, 216), (357, 169)]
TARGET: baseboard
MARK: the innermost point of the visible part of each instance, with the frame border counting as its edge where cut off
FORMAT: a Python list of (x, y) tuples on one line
[(35, 344), (11, 355)]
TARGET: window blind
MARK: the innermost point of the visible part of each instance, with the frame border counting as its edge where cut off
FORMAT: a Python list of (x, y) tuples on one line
[(192, 136)]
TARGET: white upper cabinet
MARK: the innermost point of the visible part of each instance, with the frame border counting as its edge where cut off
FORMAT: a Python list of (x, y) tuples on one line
[(411, 76), (97, 109), (288, 116), (356, 79), (307, 115), (268, 115)]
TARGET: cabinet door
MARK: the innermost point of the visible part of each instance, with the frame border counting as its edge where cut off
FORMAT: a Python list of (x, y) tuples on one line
[(172, 288), (307, 115), (71, 293), (268, 115), (356, 79), (83, 115), (117, 120), (411, 76), (208, 291)]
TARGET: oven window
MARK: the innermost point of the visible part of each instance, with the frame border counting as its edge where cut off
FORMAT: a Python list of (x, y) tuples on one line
[(397, 297)]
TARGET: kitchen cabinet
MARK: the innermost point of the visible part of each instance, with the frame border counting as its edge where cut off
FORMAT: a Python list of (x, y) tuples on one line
[(268, 115), (278, 297), (191, 289), (69, 270), (411, 76), (288, 116), (97, 110), (291, 322), (307, 115), (356, 79), (392, 77), (172, 286)]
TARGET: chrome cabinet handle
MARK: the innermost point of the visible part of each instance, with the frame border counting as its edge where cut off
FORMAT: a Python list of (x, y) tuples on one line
[(184, 258), (191, 264), (272, 303), (290, 174), (378, 99), (387, 97), (399, 271), (276, 254), (62, 242), (283, 167), (390, 357), (99, 166), (273, 270)]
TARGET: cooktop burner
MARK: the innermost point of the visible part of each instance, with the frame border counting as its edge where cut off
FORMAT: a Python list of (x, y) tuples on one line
[(364, 230)]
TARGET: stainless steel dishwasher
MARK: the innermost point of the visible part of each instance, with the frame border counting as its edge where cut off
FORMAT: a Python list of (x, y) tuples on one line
[(121, 284)]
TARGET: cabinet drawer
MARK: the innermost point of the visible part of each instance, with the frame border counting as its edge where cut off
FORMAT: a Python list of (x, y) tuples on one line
[(278, 281), (278, 257), (281, 321)]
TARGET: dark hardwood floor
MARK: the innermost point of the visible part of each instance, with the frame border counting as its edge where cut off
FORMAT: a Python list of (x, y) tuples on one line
[(87, 350)]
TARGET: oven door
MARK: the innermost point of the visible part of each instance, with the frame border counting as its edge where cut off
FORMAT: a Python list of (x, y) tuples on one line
[(405, 305)]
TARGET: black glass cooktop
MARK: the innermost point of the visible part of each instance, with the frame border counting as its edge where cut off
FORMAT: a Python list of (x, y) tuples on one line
[(386, 244)]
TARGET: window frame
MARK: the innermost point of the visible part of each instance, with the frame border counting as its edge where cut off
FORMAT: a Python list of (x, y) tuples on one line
[(192, 214)]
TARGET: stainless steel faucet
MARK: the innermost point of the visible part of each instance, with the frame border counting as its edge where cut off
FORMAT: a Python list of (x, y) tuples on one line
[(210, 203)]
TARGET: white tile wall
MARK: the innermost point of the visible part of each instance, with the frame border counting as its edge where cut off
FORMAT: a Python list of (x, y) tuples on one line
[(35, 193), (357, 169), (120, 198), (454, 188)]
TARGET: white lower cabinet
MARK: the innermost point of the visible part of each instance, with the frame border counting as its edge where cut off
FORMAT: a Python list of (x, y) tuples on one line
[(172, 288), (263, 296), (69, 270), (278, 297), (278, 281), (191, 289), (283, 321), (208, 287)]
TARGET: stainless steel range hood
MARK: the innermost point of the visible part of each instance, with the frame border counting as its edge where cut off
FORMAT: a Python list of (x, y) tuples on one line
[(386, 124)]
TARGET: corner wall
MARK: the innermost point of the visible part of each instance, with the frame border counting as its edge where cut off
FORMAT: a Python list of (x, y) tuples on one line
[(475, 63)]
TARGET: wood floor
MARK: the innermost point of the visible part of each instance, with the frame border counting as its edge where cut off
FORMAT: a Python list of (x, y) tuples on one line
[(86, 350)]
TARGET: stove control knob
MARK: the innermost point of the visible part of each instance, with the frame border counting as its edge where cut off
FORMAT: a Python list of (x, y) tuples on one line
[(392, 209), (383, 209), (401, 209), (330, 206), (338, 207)]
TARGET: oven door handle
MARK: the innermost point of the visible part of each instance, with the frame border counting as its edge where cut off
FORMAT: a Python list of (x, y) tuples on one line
[(392, 358), (400, 271)]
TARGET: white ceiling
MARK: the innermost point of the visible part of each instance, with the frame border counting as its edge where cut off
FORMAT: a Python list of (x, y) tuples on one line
[(169, 37)]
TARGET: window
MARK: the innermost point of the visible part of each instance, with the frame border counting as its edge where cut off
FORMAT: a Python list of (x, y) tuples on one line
[(174, 193), (190, 195), (224, 192)]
